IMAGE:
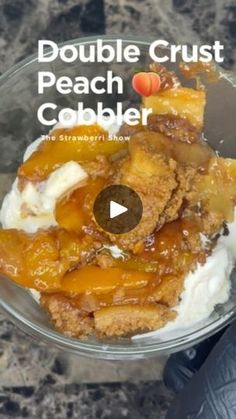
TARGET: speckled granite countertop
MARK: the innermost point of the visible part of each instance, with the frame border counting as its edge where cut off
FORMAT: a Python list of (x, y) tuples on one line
[(23, 22), (38, 381)]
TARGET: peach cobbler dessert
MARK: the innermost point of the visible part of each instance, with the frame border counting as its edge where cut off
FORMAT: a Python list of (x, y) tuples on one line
[(171, 269)]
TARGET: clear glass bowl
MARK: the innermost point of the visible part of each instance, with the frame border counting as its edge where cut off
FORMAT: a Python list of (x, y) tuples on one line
[(19, 102)]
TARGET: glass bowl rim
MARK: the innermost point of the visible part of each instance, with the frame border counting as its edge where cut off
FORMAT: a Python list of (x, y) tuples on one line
[(106, 350)]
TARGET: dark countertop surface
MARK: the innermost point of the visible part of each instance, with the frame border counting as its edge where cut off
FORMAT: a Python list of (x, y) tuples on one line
[(38, 381), (23, 22)]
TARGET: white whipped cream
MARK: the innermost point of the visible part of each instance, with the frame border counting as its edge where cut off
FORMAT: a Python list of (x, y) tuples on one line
[(33, 208), (204, 288)]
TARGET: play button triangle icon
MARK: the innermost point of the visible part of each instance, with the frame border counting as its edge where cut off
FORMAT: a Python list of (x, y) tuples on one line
[(116, 209)]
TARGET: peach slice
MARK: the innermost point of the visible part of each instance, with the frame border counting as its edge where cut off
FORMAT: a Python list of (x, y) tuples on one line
[(92, 279), (75, 211), (217, 188), (41, 259), (182, 101), (81, 144)]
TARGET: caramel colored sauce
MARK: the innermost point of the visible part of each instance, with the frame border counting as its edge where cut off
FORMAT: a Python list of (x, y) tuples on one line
[(182, 101), (74, 212), (168, 250), (81, 143), (194, 70), (170, 254), (217, 189), (40, 260), (92, 279)]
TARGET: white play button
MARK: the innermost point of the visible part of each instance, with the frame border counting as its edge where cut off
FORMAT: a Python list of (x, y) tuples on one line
[(116, 209)]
